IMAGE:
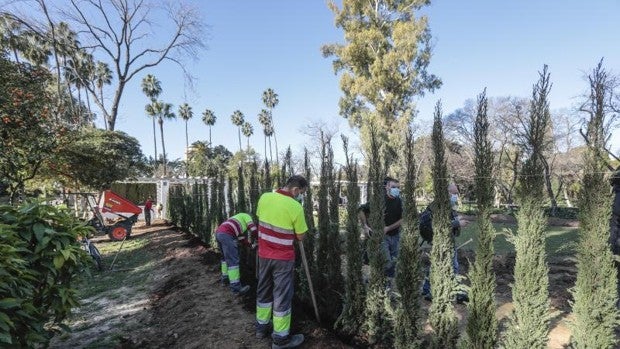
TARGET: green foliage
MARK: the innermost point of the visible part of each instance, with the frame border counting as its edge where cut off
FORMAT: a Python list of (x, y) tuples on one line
[(379, 321), (352, 314), (322, 249), (95, 158), (229, 198), (207, 161), (189, 209), (254, 187), (334, 252), (408, 321), (40, 258), (135, 192), (595, 295), (442, 315), (384, 62), (482, 323), (529, 323), (242, 205), (29, 133), (309, 240)]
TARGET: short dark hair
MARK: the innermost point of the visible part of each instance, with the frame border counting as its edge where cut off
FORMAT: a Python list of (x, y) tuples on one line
[(388, 179), (297, 181)]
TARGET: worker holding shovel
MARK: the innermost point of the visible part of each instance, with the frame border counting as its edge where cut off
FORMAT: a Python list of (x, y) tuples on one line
[(280, 222)]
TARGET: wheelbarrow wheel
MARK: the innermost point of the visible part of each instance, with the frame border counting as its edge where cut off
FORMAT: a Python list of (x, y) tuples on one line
[(118, 233)]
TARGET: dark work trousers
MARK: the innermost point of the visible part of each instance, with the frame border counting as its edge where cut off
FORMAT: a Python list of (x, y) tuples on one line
[(147, 217), (274, 293)]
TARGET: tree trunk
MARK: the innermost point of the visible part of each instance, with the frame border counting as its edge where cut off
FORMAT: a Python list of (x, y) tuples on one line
[(210, 144), (270, 154), (154, 141), (186, 138), (275, 139), (163, 144), (239, 134), (117, 100)]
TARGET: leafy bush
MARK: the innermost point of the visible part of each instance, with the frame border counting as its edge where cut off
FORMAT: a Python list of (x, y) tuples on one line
[(40, 257)]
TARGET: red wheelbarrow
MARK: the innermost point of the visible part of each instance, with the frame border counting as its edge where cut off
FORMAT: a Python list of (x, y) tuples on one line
[(127, 211)]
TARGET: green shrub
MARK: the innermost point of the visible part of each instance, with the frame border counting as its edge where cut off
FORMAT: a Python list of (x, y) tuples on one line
[(40, 257)]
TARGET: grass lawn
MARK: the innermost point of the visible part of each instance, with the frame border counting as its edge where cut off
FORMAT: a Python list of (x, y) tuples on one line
[(560, 240)]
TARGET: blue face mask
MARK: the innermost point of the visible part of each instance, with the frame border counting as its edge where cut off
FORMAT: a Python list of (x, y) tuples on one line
[(394, 192), (454, 199), (299, 198)]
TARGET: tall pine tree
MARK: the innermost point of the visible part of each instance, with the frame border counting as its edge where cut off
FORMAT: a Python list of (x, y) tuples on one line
[(529, 323), (408, 324), (442, 315), (482, 323), (594, 293)]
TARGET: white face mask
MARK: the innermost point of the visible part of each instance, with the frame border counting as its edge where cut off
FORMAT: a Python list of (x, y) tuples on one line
[(454, 198)]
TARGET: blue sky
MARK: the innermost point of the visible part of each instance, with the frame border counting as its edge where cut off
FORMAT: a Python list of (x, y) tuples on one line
[(254, 45)]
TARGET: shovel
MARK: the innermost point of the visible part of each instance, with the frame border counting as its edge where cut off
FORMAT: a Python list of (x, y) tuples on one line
[(305, 262)]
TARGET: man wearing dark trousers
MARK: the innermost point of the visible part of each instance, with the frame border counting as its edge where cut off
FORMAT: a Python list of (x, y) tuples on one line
[(280, 222), (393, 220)]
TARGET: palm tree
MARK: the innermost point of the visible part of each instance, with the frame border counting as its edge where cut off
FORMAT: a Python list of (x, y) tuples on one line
[(270, 98), (268, 131), (103, 76), (248, 130), (209, 118), (186, 113), (264, 118), (237, 119), (152, 89), (164, 111)]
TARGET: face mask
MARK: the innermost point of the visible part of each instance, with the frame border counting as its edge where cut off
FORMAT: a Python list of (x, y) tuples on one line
[(299, 198), (454, 199), (394, 192)]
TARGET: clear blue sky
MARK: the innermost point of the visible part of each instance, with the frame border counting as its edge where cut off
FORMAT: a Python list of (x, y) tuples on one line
[(254, 45)]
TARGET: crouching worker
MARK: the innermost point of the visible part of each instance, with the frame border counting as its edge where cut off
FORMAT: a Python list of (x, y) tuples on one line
[(280, 222), (235, 229)]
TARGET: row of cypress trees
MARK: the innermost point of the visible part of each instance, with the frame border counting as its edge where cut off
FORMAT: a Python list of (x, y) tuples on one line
[(395, 317)]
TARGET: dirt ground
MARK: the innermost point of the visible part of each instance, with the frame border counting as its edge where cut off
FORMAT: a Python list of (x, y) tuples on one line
[(184, 306)]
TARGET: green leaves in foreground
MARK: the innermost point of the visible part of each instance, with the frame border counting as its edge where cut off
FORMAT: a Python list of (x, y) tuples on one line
[(40, 257)]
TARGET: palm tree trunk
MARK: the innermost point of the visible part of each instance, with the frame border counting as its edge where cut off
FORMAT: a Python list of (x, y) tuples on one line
[(186, 138), (265, 138), (90, 111), (210, 144), (154, 140), (163, 144), (270, 154), (239, 134), (275, 139)]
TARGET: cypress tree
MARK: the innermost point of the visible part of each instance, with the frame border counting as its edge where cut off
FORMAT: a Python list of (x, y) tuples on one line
[(442, 315), (206, 213), (595, 296), (482, 323), (229, 198), (378, 310), (309, 241), (242, 205), (529, 324), (334, 261), (221, 198), (352, 314), (214, 207), (267, 180), (408, 325), (254, 188), (324, 223), (302, 284)]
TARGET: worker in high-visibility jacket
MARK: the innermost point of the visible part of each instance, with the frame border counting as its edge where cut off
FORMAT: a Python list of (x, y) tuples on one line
[(237, 228), (280, 222)]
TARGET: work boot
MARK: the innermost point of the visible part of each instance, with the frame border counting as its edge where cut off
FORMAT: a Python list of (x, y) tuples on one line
[(243, 290), (224, 281), (262, 331), (292, 342)]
